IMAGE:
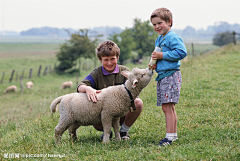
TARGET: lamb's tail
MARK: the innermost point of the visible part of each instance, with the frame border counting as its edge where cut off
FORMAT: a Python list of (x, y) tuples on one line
[(53, 106)]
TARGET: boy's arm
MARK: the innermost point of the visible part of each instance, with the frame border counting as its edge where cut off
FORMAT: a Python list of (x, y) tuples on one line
[(87, 86), (91, 93), (174, 55), (83, 88), (177, 51)]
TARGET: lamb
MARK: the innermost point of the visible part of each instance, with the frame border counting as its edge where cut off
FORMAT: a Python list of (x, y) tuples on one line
[(29, 84), (114, 102), (11, 88), (67, 84)]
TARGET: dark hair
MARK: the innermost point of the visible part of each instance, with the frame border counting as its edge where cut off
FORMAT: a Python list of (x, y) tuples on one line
[(162, 13), (107, 48)]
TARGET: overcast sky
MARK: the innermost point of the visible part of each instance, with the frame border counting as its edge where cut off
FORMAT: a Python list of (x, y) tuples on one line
[(21, 15)]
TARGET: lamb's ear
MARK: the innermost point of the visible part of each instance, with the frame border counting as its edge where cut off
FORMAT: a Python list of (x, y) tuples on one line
[(125, 73), (135, 83)]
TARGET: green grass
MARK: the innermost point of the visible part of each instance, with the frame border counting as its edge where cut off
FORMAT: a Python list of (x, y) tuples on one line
[(28, 47), (200, 48), (23, 57), (208, 118), (32, 39)]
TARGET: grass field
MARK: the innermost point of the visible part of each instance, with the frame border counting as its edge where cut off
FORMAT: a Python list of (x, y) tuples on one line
[(208, 117)]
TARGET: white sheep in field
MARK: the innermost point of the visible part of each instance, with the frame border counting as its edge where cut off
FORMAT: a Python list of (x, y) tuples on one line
[(11, 88), (67, 84), (114, 102), (29, 84)]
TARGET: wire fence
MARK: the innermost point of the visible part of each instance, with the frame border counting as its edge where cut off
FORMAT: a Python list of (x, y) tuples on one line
[(17, 75)]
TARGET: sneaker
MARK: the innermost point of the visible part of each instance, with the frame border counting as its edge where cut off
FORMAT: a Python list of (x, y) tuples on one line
[(110, 136), (175, 138), (165, 142), (124, 136)]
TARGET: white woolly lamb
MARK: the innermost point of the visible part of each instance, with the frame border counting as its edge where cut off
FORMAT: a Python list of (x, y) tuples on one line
[(29, 84), (11, 88), (67, 84), (114, 102)]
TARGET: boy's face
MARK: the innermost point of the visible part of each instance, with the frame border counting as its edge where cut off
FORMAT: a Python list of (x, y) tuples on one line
[(160, 26), (109, 63)]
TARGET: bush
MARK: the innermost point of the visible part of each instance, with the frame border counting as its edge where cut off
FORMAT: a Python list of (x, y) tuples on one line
[(79, 45), (223, 38)]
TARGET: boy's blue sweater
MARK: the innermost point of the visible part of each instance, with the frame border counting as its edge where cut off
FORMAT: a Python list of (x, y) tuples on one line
[(173, 50)]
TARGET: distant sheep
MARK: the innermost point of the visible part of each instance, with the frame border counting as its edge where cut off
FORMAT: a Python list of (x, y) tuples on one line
[(66, 85), (29, 84), (114, 102), (12, 88)]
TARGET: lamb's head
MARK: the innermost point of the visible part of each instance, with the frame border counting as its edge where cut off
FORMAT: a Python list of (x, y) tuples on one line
[(138, 78)]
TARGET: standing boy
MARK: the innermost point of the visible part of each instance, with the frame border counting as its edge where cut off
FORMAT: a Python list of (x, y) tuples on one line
[(109, 74), (169, 76)]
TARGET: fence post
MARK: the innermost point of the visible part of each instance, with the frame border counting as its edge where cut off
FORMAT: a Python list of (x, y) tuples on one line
[(10, 80), (77, 80), (23, 73), (45, 71), (54, 68), (39, 70), (89, 66), (21, 84), (192, 49), (30, 73), (50, 69), (234, 37), (2, 77), (79, 66), (16, 76)]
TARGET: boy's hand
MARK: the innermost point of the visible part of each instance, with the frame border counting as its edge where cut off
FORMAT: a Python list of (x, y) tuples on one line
[(92, 94), (153, 67), (157, 55)]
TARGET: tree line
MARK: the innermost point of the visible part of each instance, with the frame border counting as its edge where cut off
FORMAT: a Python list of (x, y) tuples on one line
[(134, 43), (187, 32), (209, 32), (227, 37)]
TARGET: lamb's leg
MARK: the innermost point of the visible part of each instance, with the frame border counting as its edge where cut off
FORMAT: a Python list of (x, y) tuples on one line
[(63, 125), (59, 130), (116, 125), (72, 131), (107, 124)]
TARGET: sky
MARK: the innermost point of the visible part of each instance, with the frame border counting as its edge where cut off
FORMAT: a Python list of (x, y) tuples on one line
[(21, 15)]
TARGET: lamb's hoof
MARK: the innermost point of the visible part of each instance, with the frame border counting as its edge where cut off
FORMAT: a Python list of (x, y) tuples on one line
[(106, 142), (57, 142), (118, 139), (73, 137), (110, 136)]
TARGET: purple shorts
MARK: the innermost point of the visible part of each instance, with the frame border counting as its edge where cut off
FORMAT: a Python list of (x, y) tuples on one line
[(168, 89)]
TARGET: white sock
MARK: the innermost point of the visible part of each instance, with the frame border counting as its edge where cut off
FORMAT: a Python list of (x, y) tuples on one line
[(169, 136), (175, 135), (124, 128)]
